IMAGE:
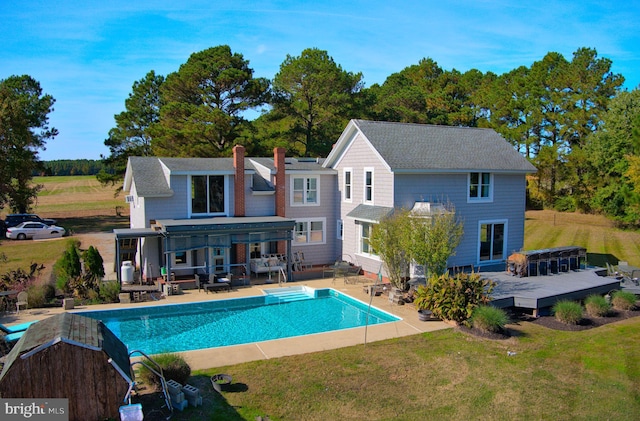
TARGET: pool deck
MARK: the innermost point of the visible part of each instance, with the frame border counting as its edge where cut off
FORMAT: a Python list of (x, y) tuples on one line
[(539, 293), (222, 356)]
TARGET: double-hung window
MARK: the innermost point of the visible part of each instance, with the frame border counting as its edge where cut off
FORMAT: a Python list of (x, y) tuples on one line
[(310, 231), (304, 191), (208, 194), (348, 184), (480, 186), (368, 185)]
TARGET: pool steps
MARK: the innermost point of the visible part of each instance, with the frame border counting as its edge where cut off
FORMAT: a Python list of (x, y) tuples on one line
[(287, 294)]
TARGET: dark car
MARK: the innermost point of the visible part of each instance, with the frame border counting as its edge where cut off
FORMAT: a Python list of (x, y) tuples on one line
[(17, 218)]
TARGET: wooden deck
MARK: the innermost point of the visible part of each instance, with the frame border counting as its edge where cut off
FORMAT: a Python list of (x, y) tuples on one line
[(540, 293)]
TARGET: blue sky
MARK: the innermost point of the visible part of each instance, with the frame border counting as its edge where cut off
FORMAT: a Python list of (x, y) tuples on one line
[(88, 54)]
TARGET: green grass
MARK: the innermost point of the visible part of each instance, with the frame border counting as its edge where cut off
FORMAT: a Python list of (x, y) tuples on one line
[(569, 312), (489, 318), (591, 374), (604, 242), (20, 254)]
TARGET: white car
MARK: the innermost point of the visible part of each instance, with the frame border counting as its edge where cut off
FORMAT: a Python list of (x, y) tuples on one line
[(35, 230)]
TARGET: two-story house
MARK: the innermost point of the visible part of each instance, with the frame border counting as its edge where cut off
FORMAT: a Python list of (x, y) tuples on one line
[(216, 214), (382, 165)]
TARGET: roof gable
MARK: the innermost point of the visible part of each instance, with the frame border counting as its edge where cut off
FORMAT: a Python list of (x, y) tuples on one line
[(72, 329), (408, 147)]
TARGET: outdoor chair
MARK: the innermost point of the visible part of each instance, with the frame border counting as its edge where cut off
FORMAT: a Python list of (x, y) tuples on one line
[(13, 333), (611, 271), (23, 298)]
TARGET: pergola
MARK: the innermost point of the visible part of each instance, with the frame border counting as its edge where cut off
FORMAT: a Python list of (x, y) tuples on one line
[(183, 235)]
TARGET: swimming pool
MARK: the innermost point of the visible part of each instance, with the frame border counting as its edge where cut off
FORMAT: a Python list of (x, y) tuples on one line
[(280, 313)]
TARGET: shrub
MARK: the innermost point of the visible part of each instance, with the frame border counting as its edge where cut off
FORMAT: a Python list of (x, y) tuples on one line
[(68, 268), (565, 204), (569, 312), (94, 265), (489, 318), (597, 305), (623, 300), (109, 291), (37, 297), (174, 367), (454, 298)]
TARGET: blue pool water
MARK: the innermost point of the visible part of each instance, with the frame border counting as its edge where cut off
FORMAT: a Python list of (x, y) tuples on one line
[(186, 327)]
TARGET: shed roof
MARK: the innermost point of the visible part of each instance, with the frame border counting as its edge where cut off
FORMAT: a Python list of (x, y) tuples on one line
[(75, 330), (370, 213)]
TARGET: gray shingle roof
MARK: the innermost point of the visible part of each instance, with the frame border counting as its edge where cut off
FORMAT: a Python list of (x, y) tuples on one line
[(370, 213), (177, 165), (148, 176), (410, 147), (294, 164)]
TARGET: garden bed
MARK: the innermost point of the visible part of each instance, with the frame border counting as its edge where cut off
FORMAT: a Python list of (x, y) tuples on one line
[(587, 321)]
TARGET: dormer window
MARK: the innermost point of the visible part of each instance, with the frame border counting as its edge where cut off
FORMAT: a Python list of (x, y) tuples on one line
[(208, 194)]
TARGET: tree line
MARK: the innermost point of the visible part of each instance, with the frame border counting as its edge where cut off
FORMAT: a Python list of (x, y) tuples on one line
[(71, 167), (570, 117)]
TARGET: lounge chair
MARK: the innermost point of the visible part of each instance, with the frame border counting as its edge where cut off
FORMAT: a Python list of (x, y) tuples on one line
[(13, 333)]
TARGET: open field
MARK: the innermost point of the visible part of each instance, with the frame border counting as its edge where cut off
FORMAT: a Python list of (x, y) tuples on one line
[(604, 242), (67, 199)]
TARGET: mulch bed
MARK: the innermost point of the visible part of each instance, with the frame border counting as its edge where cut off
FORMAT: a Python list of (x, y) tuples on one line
[(550, 322), (587, 322)]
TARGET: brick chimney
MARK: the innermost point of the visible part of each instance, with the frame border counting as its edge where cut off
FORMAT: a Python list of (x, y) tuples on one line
[(238, 184), (238, 194), (280, 182), (278, 159)]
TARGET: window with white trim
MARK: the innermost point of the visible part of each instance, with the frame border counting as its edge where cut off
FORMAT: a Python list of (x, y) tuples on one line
[(208, 194), (340, 229), (309, 231), (480, 186), (492, 241), (348, 184), (368, 184), (365, 239), (304, 191)]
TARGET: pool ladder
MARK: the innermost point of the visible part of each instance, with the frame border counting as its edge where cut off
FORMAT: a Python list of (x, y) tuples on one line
[(155, 369)]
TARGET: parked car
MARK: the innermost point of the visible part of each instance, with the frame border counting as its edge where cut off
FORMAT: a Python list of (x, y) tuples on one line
[(15, 219), (35, 230)]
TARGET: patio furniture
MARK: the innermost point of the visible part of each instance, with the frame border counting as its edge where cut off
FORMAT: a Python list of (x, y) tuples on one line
[(346, 270), (23, 298), (15, 332)]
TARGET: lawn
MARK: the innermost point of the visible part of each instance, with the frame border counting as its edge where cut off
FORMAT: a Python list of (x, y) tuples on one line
[(604, 242), (592, 374)]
